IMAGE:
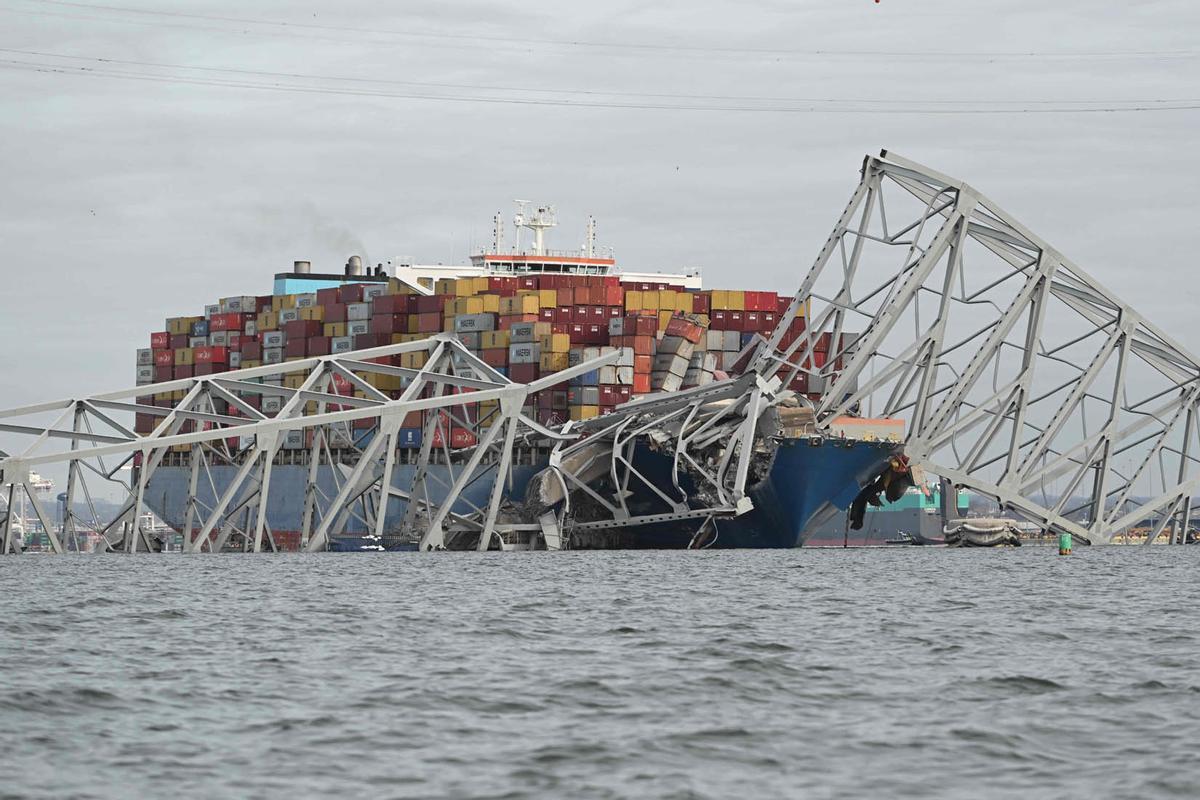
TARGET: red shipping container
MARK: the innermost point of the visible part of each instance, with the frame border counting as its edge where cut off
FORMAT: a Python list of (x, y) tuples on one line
[(615, 311), (701, 303), (263, 303), (612, 295), (579, 314), (642, 365), (799, 383), (523, 373), (560, 327), (565, 297), (389, 323), (642, 345), (393, 304), (495, 356), (365, 340), (235, 342), (179, 340), (641, 325), (430, 322), (735, 320), (335, 312), (529, 283), (547, 315), (598, 314), (327, 297), (211, 355), (160, 340), (769, 320), (751, 321), (318, 346), (302, 328), (641, 383), (431, 304), (576, 332), (210, 368), (225, 322), (184, 371), (252, 350), (350, 293), (296, 347), (164, 374), (164, 358), (461, 437), (719, 320)]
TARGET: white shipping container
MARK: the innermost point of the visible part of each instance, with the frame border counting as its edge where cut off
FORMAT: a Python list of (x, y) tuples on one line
[(665, 382), (524, 353), (250, 327), (288, 315), (219, 338), (358, 311), (626, 357), (197, 341), (341, 344), (371, 292), (306, 300), (625, 376), (145, 375), (271, 404), (293, 440), (732, 342), (272, 339), (235, 360), (215, 308), (273, 355), (145, 357), (607, 375), (357, 327)]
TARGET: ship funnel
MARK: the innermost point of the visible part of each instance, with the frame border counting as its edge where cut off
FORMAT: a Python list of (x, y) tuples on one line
[(354, 266), (302, 267)]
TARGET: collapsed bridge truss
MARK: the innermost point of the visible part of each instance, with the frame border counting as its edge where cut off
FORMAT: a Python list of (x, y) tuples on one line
[(1018, 375)]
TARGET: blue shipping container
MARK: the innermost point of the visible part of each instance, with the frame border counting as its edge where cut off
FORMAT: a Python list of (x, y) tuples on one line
[(409, 437), (200, 328)]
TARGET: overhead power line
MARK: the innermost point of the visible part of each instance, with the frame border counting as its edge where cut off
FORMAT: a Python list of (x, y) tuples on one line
[(654, 96), (599, 46), (104, 69)]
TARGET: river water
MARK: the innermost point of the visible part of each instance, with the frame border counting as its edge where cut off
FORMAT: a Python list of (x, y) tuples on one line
[(903, 672)]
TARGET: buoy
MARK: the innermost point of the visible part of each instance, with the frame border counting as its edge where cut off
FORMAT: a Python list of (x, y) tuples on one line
[(1064, 544)]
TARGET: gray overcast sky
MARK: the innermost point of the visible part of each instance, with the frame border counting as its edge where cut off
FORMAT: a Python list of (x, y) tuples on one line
[(127, 200)]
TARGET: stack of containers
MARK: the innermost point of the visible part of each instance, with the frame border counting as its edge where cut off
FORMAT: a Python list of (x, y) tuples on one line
[(522, 326)]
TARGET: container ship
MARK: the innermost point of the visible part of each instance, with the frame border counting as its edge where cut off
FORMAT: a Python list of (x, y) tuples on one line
[(526, 311)]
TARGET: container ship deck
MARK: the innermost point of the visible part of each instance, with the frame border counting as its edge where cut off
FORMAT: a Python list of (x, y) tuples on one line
[(525, 313)]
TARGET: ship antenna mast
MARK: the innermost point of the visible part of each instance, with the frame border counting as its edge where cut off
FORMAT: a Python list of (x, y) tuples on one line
[(497, 234), (589, 246), (538, 222)]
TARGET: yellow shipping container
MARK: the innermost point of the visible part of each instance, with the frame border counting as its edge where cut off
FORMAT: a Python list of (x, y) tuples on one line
[(481, 284), (334, 329), (294, 381), (177, 396), (553, 362), (491, 303), (684, 302), (282, 301), (522, 303), (414, 322), (555, 342), (448, 323), (649, 301), (547, 298), (184, 356), (468, 305), (384, 383), (313, 313), (414, 360), (666, 299), (664, 317), (490, 340), (247, 363), (181, 448), (268, 321), (162, 397), (580, 413), (464, 287), (444, 286), (633, 300), (728, 300)]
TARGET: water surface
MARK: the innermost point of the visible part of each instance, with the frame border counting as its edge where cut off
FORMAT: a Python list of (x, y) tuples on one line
[(902, 672)]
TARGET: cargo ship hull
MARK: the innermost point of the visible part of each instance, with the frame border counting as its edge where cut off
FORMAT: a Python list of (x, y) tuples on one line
[(808, 484)]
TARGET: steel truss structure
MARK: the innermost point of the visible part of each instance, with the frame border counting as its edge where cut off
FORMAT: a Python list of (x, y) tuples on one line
[(324, 400), (1019, 375)]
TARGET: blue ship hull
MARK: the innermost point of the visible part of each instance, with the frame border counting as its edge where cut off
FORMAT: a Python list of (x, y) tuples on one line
[(807, 485)]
